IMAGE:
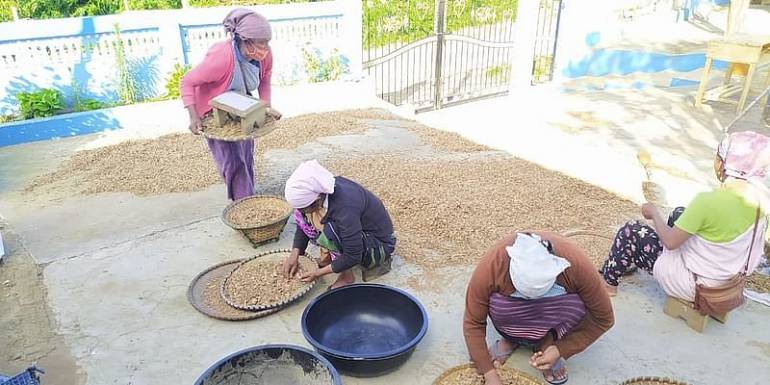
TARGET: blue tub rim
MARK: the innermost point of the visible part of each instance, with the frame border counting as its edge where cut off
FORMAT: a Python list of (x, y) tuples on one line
[(335, 375), (371, 356)]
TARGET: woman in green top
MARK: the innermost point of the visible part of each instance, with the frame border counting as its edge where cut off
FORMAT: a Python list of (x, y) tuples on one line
[(712, 237)]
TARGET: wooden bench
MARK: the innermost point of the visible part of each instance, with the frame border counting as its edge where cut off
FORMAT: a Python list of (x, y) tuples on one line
[(679, 308)]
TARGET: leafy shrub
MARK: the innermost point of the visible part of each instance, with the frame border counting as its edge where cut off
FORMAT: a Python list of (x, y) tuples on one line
[(172, 83), (88, 105), (38, 104)]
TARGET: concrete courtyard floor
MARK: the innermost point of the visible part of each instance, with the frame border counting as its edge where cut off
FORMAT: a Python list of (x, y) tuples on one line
[(116, 266)]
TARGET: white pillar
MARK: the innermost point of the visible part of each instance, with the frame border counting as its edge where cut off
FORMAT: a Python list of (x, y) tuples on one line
[(525, 29), (15, 13), (352, 35)]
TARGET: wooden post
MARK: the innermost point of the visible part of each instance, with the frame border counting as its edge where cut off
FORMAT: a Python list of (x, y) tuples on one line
[(704, 79), (735, 15)]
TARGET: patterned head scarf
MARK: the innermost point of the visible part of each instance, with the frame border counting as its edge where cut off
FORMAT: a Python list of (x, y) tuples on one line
[(307, 182), (247, 25), (746, 155)]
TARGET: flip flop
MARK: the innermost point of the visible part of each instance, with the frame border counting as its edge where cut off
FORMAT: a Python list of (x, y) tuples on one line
[(558, 365), (501, 356)]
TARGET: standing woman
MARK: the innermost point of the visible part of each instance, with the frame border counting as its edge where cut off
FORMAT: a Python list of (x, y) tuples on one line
[(243, 63)]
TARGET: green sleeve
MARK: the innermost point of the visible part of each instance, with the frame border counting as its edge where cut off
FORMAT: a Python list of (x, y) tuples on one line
[(694, 216)]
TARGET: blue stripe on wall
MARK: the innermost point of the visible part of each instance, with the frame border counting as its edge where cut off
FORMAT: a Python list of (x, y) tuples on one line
[(56, 127), (604, 62)]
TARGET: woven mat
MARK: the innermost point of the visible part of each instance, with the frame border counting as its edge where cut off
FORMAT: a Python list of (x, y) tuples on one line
[(278, 255), (210, 280), (269, 126), (451, 376), (652, 381)]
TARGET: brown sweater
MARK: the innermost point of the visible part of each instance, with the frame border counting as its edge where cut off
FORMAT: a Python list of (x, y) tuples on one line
[(492, 276)]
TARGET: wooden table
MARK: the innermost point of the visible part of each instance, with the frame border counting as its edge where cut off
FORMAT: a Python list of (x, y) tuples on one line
[(752, 51)]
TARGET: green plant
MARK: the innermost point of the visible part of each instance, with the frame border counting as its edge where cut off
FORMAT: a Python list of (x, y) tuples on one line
[(126, 81), (172, 83), (154, 4), (88, 105), (320, 70), (542, 68), (8, 118), (5, 10), (394, 21), (501, 72), (38, 104)]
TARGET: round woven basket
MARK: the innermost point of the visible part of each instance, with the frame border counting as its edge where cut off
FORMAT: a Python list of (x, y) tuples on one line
[(215, 275), (269, 126), (652, 381), (268, 232), (521, 377), (262, 307)]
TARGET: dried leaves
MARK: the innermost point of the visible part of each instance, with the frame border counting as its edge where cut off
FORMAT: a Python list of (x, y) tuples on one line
[(758, 282), (467, 375), (257, 212), (448, 212), (260, 282)]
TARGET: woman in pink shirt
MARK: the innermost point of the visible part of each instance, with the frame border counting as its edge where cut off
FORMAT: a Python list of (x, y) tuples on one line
[(242, 63)]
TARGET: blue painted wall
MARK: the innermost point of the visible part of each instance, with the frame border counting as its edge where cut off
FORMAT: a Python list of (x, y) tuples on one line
[(603, 62)]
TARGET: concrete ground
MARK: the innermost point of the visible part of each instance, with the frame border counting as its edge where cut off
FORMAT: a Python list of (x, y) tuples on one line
[(117, 266)]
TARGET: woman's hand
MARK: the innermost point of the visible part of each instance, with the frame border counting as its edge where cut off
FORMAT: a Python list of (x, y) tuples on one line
[(545, 359), (649, 211), (195, 121), (311, 276), (492, 378), (291, 263), (315, 274)]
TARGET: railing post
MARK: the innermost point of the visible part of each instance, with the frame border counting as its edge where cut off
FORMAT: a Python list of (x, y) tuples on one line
[(172, 50), (524, 48), (352, 35), (439, 28)]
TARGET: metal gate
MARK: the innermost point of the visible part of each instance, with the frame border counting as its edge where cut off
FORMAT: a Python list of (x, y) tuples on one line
[(548, 18), (433, 53)]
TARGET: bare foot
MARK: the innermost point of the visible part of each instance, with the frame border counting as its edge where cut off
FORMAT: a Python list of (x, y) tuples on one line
[(611, 290), (343, 279)]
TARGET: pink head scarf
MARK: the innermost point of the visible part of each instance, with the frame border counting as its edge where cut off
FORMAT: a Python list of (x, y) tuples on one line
[(746, 155), (306, 183), (248, 25)]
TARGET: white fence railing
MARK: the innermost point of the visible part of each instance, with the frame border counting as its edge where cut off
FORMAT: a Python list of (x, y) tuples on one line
[(78, 55)]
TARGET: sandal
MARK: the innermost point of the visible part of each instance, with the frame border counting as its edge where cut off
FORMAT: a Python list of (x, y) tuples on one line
[(500, 356), (555, 368)]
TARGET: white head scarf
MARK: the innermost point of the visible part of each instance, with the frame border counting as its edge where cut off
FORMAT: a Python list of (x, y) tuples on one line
[(533, 269), (307, 182)]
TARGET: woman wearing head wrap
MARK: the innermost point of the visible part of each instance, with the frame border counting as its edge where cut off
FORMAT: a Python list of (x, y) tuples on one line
[(538, 289), (347, 221), (243, 63), (711, 240)]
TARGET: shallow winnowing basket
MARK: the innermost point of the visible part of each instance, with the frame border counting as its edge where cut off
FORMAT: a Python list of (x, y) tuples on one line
[(521, 377), (268, 232), (652, 381)]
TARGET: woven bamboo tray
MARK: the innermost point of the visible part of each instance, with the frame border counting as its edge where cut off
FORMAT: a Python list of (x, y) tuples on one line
[(521, 377), (269, 126), (266, 233), (281, 304), (215, 275), (652, 381)]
